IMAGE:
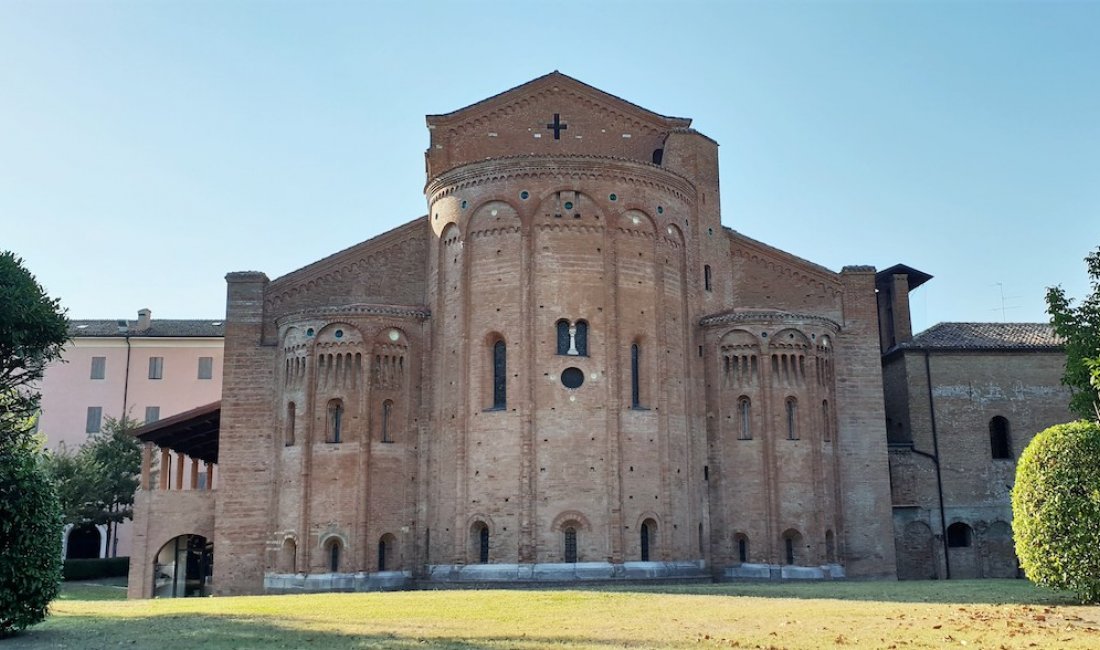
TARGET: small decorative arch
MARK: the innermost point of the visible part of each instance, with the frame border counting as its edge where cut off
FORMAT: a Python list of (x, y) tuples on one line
[(999, 442), (792, 547), (334, 421), (960, 535)]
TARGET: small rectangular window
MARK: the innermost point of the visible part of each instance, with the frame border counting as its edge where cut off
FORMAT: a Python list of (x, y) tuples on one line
[(99, 367), (156, 367), (95, 419), (152, 414), (206, 367)]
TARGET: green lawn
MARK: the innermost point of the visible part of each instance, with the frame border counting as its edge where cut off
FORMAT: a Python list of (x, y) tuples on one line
[(982, 614)]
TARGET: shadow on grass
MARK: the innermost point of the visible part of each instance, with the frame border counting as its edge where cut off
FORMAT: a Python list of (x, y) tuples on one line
[(190, 631), (962, 592)]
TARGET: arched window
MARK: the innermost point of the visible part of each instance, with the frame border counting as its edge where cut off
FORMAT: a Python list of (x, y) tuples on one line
[(483, 545), (959, 535), (647, 538), (333, 552), (792, 418), (335, 421), (387, 410), (830, 547), (385, 553), (563, 336), (500, 376), (742, 548), (658, 156), (635, 380), (744, 418), (826, 421), (792, 543), (582, 338), (998, 439), (570, 533), (706, 277), (290, 413)]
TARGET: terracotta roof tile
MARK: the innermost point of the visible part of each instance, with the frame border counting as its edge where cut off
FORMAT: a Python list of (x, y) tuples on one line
[(986, 336), (160, 328)]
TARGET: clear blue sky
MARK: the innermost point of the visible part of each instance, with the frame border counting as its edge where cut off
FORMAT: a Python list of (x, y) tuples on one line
[(147, 148)]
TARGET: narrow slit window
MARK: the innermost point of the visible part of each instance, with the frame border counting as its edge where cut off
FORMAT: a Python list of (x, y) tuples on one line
[(335, 421), (570, 544), (706, 277), (792, 419), (500, 377), (387, 410), (999, 442), (744, 416), (635, 381), (291, 413)]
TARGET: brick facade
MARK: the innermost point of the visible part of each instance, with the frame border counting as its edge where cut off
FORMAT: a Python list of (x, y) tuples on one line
[(568, 368)]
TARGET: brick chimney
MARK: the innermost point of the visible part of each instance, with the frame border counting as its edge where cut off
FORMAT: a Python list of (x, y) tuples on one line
[(145, 319)]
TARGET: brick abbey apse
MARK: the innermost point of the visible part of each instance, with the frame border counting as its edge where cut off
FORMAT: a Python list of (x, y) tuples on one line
[(570, 370)]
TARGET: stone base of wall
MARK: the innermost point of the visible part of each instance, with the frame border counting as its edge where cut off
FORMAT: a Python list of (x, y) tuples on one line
[(564, 572), (297, 583), (784, 572)]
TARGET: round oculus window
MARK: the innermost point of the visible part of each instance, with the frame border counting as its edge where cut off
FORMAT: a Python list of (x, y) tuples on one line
[(572, 378)]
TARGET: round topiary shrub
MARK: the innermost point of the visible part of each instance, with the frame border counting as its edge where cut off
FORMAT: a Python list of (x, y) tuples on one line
[(30, 538), (1056, 509)]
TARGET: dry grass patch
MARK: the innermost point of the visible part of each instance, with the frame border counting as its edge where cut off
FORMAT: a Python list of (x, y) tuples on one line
[(985, 614)]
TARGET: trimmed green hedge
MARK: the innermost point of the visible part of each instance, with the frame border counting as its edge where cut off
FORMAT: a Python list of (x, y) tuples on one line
[(1056, 509), (108, 567)]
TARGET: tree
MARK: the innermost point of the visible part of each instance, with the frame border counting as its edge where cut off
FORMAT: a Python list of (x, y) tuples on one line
[(114, 457), (1056, 509), (33, 330), (1079, 328), (97, 483)]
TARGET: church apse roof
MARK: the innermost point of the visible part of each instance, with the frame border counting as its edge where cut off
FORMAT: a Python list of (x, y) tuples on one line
[(986, 336), (548, 80)]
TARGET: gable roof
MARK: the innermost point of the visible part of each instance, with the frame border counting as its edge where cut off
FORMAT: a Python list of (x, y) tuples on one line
[(158, 328), (986, 336), (551, 79)]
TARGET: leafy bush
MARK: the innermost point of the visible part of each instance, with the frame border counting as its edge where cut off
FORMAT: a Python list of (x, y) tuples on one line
[(30, 537), (1056, 509), (107, 567)]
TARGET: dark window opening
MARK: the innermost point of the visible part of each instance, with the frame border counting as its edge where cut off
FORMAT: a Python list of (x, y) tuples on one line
[(792, 419), (706, 277), (789, 545), (291, 411), (387, 408), (998, 439), (385, 552), (645, 541), (483, 545), (335, 421), (744, 415), (563, 336), (635, 383), (572, 378), (334, 556), (570, 544), (500, 378), (658, 156), (959, 535), (582, 338), (742, 549)]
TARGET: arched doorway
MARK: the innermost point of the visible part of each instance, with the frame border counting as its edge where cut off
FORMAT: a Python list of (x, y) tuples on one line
[(84, 543), (182, 568)]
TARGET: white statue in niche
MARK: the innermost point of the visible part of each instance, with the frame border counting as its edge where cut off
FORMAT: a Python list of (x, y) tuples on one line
[(573, 341)]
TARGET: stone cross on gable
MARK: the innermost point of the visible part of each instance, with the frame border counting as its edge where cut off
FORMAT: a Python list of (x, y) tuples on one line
[(558, 126)]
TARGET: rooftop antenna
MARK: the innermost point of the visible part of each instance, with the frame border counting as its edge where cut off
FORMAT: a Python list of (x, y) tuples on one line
[(1004, 306)]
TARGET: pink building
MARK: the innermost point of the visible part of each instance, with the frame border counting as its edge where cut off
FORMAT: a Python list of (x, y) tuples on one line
[(145, 369)]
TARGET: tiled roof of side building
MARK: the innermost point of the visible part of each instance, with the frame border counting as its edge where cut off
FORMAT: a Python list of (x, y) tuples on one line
[(986, 336), (159, 328)]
